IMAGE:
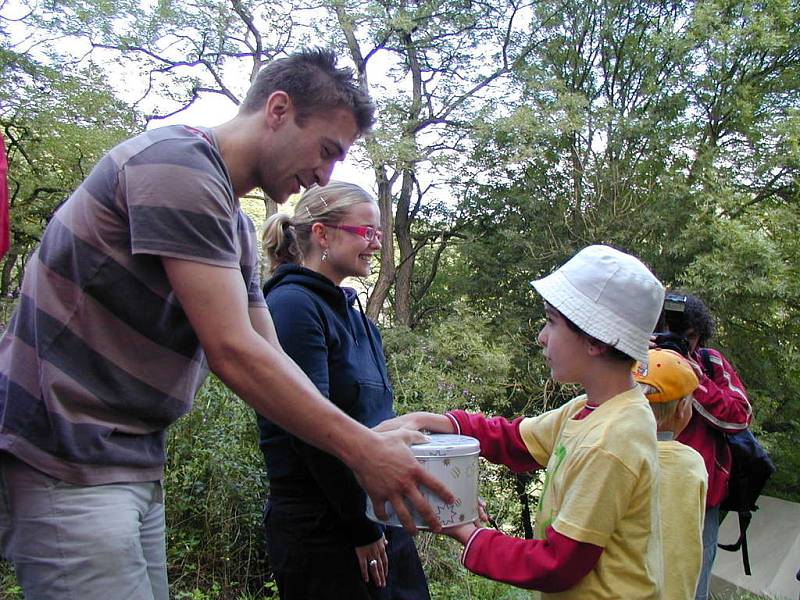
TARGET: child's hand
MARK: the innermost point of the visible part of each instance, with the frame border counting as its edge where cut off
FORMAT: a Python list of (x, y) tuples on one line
[(417, 421), (483, 516), (462, 533), (698, 370), (406, 421), (651, 344)]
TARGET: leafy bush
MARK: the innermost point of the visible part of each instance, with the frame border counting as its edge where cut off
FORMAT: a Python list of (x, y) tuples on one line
[(215, 486), (455, 364)]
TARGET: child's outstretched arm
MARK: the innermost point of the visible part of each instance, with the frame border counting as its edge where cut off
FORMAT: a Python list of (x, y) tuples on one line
[(499, 438), (418, 421), (554, 564), (501, 442)]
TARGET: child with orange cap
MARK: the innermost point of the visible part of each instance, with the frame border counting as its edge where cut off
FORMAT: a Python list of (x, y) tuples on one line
[(668, 381)]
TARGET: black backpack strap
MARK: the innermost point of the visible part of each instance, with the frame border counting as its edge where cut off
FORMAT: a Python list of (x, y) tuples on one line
[(745, 516), (744, 522)]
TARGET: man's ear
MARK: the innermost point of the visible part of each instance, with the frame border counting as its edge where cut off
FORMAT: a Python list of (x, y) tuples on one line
[(278, 109)]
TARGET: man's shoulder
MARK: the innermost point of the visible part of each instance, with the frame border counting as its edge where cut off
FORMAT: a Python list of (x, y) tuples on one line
[(173, 145)]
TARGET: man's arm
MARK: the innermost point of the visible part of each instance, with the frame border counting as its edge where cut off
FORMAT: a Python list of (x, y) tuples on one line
[(252, 364)]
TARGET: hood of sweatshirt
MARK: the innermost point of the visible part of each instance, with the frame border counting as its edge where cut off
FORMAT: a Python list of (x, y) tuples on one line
[(338, 298)]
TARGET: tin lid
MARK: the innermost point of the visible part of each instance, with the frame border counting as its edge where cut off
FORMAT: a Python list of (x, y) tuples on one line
[(446, 444)]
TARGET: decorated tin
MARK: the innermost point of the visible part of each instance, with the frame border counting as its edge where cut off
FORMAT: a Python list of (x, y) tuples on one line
[(454, 460)]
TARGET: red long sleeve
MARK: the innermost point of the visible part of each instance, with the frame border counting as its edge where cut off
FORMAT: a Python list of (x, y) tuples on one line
[(499, 438), (554, 564), (722, 401), (720, 406)]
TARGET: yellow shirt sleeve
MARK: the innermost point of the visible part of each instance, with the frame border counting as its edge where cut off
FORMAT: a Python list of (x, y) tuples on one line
[(541, 433)]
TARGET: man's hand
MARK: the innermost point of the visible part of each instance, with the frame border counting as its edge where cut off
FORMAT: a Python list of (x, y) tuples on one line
[(389, 472)]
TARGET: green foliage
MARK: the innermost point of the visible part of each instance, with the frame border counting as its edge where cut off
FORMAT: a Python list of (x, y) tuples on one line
[(57, 122), (9, 589), (215, 486), (454, 365)]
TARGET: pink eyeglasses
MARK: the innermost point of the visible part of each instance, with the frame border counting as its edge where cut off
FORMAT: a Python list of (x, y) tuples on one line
[(368, 233)]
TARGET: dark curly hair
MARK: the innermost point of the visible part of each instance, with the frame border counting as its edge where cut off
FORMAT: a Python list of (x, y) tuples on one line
[(695, 316)]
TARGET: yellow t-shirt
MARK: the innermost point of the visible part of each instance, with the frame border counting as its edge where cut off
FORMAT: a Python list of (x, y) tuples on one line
[(682, 497), (601, 488)]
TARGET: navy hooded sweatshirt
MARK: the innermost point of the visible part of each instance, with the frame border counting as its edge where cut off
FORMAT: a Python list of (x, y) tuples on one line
[(341, 352)]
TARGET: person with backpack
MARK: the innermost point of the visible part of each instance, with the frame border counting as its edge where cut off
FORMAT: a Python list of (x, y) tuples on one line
[(720, 407)]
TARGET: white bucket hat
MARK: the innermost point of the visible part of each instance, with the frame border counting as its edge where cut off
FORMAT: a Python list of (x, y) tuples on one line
[(609, 295)]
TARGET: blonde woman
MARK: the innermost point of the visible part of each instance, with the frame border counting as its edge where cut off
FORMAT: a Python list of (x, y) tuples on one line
[(320, 542)]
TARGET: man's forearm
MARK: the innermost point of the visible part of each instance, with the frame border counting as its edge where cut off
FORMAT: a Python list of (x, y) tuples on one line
[(269, 381), (238, 341)]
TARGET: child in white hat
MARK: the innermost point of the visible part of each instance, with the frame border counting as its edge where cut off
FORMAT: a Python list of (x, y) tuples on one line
[(596, 532), (668, 381)]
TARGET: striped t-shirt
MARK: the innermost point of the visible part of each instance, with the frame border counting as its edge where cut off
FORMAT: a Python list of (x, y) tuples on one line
[(99, 357)]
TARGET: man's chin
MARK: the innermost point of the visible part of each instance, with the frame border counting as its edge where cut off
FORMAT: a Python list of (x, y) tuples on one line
[(277, 198)]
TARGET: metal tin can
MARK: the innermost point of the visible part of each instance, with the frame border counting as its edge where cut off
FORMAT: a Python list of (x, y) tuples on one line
[(454, 460)]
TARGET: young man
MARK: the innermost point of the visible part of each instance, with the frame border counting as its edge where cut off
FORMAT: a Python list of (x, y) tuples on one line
[(668, 382), (145, 278), (597, 534)]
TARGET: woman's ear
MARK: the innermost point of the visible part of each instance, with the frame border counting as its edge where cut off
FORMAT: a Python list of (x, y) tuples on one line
[(320, 234)]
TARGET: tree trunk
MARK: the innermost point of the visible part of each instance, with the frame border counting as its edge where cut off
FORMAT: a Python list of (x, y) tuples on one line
[(386, 274), (405, 270), (5, 277), (520, 484)]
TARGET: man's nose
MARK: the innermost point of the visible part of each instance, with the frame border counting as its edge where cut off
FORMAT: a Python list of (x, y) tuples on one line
[(322, 174)]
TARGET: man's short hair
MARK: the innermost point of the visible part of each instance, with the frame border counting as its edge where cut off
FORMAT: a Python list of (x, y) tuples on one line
[(314, 84)]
